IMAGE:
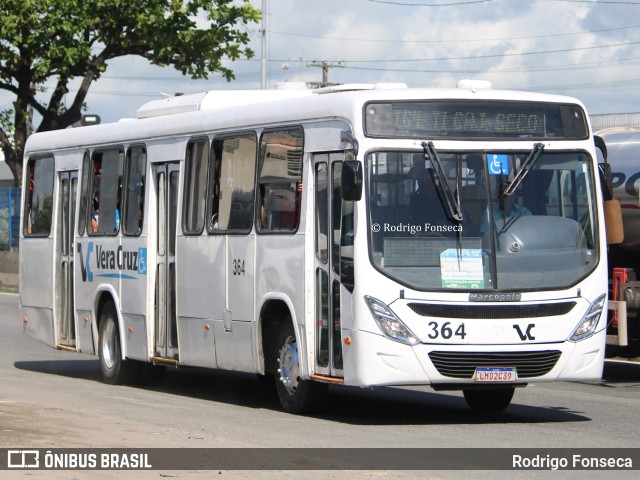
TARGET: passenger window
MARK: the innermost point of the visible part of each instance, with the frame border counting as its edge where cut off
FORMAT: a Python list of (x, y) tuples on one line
[(134, 191), (196, 167), (84, 193), (232, 186), (106, 189), (39, 197), (280, 179)]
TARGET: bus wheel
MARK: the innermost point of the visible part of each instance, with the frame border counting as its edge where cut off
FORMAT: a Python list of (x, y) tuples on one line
[(296, 395), (115, 370), (490, 400)]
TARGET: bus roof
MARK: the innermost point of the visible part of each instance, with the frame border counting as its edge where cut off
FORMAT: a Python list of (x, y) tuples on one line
[(236, 109)]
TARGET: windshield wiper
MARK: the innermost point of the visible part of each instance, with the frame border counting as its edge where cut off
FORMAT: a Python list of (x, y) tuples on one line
[(526, 166), (452, 203)]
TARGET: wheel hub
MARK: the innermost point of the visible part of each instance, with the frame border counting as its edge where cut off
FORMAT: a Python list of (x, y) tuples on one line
[(109, 345), (289, 367)]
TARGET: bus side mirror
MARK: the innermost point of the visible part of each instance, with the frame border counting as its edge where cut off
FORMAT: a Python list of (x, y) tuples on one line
[(612, 209), (606, 180), (351, 180), (601, 145)]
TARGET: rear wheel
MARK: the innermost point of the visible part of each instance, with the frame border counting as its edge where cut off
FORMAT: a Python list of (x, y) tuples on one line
[(115, 370), (296, 395), (490, 400)]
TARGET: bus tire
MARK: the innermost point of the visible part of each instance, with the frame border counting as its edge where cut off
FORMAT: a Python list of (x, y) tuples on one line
[(295, 395), (115, 370), (489, 400)]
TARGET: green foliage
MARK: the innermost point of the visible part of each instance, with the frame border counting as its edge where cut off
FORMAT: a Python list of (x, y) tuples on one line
[(65, 39), (6, 123)]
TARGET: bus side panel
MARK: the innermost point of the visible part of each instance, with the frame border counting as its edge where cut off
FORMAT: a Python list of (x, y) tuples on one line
[(197, 344), (85, 293), (280, 261), (134, 294), (201, 296), (36, 288), (84, 332), (39, 324), (241, 273)]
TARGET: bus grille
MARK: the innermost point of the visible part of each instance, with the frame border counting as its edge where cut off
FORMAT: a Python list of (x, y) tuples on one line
[(464, 364), (491, 312)]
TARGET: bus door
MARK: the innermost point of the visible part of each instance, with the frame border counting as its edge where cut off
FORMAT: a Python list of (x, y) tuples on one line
[(66, 208), (166, 178), (328, 225)]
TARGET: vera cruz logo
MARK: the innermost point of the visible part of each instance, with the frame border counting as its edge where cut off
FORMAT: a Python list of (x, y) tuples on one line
[(113, 263), (85, 266)]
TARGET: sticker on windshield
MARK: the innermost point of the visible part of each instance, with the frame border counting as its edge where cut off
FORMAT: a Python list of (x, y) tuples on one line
[(462, 268), (498, 164)]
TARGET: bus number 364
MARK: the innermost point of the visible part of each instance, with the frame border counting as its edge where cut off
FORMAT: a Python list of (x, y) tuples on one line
[(445, 331), (238, 266)]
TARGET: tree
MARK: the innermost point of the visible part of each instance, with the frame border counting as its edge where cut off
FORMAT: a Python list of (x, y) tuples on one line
[(68, 39)]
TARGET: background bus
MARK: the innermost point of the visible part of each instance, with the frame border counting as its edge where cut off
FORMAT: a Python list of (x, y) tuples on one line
[(364, 235), (623, 147)]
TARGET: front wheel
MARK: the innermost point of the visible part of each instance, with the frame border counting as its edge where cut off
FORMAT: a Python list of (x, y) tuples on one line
[(115, 370), (490, 400), (296, 395)]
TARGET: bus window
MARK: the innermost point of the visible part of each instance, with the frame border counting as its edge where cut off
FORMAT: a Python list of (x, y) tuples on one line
[(84, 193), (195, 184), (107, 166), (321, 227), (280, 179), (39, 198), (234, 173), (133, 213)]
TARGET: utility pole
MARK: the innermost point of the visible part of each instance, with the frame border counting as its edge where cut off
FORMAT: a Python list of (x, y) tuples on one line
[(263, 82), (325, 72)]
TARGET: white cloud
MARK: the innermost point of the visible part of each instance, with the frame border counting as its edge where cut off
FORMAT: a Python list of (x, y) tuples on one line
[(494, 40)]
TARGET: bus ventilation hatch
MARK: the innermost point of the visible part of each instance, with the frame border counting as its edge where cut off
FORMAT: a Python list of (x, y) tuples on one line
[(464, 364)]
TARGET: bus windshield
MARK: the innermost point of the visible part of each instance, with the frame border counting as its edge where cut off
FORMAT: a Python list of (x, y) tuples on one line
[(543, 234)]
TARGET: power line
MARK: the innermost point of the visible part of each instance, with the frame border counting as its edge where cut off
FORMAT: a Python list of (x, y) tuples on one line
[(547, 68), (609, 2), (616, 83), (402, 4), (498, 55), (471, 40)]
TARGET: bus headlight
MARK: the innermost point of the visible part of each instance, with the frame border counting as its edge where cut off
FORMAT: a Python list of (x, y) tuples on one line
[(589, 322), (389, 323)]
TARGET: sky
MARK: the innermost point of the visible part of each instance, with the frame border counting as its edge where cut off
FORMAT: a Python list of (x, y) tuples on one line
[(589, 49)]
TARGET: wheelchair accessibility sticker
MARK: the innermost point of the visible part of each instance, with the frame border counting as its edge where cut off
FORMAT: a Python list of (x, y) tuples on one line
[(498, 164)]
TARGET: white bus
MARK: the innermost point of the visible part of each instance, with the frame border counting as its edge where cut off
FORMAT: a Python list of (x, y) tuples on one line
[(366, 235)]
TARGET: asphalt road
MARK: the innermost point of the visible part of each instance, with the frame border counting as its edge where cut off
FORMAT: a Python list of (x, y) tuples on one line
[(54, 399)]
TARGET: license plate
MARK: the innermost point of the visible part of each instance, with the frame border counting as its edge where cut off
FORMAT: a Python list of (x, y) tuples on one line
[(495, 374)]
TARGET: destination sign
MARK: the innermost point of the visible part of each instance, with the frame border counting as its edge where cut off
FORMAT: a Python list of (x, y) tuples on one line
[(457, 119)]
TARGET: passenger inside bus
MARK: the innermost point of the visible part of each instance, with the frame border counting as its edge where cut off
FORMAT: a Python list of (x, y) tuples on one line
[(95, 212), (512, 207)]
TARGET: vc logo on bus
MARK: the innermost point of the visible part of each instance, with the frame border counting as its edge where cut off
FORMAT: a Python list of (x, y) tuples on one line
[(114, 263)]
